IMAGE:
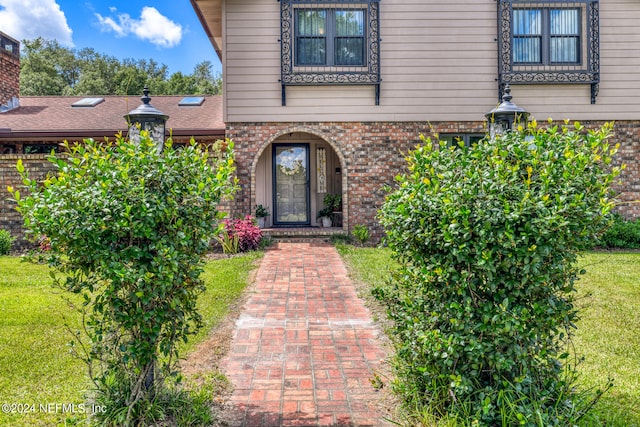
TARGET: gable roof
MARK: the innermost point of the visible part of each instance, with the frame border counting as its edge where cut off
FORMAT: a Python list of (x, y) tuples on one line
[(52, 116)]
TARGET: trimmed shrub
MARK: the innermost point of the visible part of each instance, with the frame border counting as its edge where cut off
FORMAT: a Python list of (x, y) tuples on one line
[(127, 227), (623, 234), (487, 238), (6, 240)]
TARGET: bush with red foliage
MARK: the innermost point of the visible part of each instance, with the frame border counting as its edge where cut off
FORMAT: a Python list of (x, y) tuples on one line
[(248, 232)]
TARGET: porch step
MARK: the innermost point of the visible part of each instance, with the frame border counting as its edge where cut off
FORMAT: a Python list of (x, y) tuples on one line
[(302, 234)]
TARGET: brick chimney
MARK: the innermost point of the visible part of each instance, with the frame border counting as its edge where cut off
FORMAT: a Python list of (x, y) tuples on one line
[(9, 73)]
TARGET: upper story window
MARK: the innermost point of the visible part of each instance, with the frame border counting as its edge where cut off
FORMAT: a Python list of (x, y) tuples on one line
[(546, 36), (328, 37), (549, 42), (330, 42)]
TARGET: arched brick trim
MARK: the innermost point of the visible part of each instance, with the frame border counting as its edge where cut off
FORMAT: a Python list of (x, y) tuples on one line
[(325, 137)]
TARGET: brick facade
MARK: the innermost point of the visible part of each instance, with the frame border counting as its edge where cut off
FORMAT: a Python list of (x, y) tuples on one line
[(38, 167), (627, 134), (371, 155)]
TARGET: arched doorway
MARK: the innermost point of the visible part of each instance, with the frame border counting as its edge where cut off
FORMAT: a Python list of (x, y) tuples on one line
[(293, 174)]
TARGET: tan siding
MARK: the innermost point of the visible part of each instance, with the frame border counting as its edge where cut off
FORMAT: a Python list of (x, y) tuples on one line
[(438, 62)]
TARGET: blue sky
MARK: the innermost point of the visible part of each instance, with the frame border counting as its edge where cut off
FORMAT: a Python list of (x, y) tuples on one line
[(167, 31)]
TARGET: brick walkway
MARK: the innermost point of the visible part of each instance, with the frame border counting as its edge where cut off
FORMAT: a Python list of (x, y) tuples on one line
[(304, 348)]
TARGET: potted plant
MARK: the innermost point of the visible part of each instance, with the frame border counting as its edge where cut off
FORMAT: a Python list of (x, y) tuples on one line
[(262, 213), (337, 203), (324, 215), (333, 202)]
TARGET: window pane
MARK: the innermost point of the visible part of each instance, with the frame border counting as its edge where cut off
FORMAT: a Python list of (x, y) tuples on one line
[(349, 51), (563, 22), (311, 51), (350, 22), (527, 22), (564, 49), (526, 49), (311, 22), (311, 29)]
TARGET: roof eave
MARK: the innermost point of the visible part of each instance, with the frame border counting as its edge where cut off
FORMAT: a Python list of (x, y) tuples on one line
[(211, 22)]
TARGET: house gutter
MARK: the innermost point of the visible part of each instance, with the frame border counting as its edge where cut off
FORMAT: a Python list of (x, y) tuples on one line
[(6, 134)]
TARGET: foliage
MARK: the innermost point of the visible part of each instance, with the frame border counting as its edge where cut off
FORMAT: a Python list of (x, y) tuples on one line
[(230, 242), (245, 231), (47, 68), (607, 332), (177, 404), (128, 227), (325, 212), (262, 211), (361, 233), (6, 240), (332, 202), (487, 238), (623, 233), (337, 239)]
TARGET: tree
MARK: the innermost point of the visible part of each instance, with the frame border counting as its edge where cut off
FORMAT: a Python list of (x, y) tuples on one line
[(127, 228), (97, 73), (50, 69), (47, 68), (206, 81)]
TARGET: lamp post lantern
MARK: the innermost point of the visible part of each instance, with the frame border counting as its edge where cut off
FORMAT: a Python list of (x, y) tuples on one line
[(149, 118), (502, 118)]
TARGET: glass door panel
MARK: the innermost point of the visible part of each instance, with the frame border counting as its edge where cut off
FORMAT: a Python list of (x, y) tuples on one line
[(291, 184)]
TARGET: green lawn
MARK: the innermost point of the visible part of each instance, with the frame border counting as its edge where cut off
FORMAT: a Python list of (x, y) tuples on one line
[(608, 334), (36, 367)]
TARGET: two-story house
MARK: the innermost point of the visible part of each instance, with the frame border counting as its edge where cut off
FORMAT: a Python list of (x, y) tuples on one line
[(325, 96)]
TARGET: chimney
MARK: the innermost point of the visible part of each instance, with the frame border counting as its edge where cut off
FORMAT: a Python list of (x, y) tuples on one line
[(9, 73)]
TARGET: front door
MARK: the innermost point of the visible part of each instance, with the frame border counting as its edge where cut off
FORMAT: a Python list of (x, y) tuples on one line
[(291, 184)]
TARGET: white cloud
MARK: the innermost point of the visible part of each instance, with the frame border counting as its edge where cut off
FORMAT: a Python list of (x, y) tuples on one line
[(28, 19), (152, 26)]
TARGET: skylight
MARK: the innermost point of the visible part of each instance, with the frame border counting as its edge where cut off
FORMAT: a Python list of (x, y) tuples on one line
[(87, 102), (193, 101)]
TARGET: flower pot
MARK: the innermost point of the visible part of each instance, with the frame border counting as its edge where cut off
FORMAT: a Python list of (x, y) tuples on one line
[(326, 221), (262, 221)]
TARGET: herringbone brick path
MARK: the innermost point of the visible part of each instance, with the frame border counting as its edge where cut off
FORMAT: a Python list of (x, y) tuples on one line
[(304, 348)]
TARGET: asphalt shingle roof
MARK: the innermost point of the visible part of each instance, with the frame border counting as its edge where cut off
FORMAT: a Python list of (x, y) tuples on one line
[(55, 115)]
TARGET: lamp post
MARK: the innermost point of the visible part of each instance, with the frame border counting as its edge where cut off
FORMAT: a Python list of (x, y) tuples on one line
[(502, 118), (149, 118)]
